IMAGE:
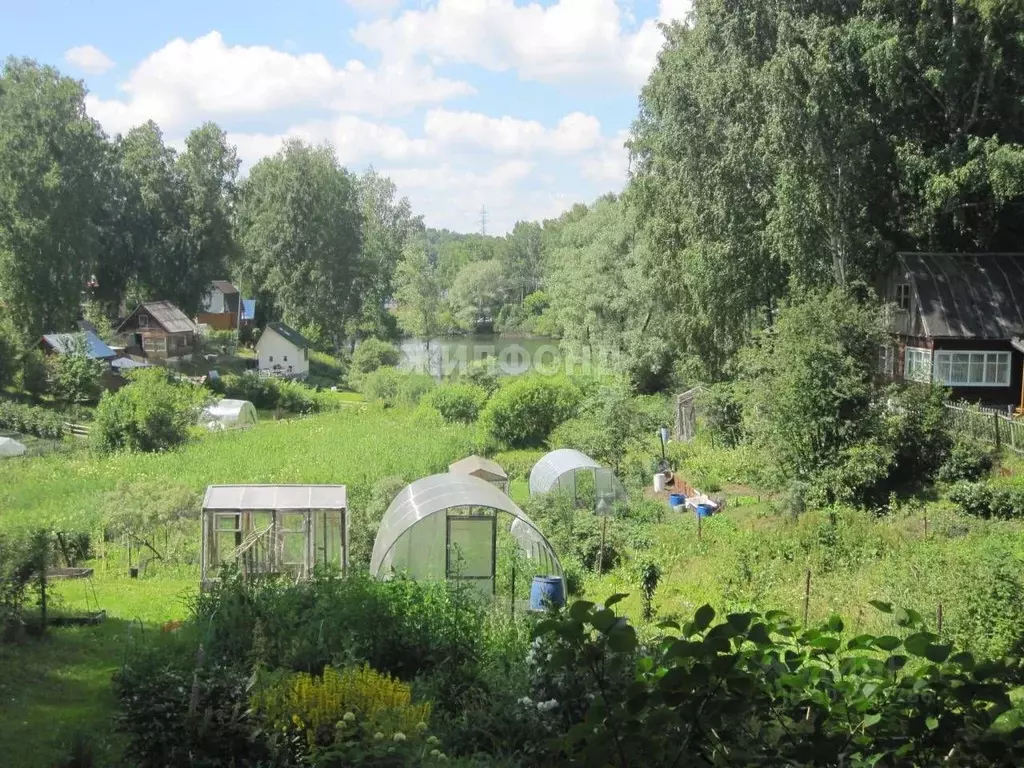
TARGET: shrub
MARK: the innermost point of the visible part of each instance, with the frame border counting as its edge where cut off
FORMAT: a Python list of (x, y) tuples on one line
[(31, 376), (987, 500), (22, 557), (517, 464), (266, 392), (31, 420), (152, 413), (722, 412), (382, 385), (370, 355), (365, 520), (457, 401), (968, 460), (412, 387), (74, 377), (482, 373), (524, 411)]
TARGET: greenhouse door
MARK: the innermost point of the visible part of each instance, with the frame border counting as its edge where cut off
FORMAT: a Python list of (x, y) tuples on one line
[(471, 551)]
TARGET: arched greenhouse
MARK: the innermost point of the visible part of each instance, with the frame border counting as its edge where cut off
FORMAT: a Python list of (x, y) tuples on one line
[(576, 474)]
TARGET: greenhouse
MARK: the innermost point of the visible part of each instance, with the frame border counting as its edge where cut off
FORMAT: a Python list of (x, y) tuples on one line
[(485, 469), (575, 473), (229, 414), (454, 526), (274, 529), (10, 447)]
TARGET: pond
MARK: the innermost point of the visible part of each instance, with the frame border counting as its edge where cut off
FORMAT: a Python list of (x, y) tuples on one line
[(450, 354)]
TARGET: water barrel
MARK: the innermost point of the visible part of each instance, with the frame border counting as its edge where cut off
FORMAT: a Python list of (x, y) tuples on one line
[(704, 510), (546, 590), (675, 499), (659, 483)]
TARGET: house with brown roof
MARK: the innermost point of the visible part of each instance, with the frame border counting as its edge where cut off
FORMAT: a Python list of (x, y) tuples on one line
[(958, 321), (221, 306), (158, 330)]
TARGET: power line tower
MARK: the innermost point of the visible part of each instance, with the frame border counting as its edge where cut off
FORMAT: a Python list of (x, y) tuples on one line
[(483, 220)]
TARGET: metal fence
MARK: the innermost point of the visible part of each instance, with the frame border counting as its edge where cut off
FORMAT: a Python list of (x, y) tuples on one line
[(988, 425)]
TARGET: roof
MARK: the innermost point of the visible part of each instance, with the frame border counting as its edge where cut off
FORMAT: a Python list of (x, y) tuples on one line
[(65, 343), (547, 473), (478, 466), (85, 325), (289, 333), (979, 296), (274, 497), (438, 493), (125, 363), (166, 315), (248, 309), (224, 286)]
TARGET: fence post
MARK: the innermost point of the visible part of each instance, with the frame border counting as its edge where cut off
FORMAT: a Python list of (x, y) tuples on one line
[(807, 596), (996, 417)]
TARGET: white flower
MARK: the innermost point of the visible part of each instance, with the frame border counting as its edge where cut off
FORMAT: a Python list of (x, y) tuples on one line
[(399, 736), (547, 706), (526, 701)]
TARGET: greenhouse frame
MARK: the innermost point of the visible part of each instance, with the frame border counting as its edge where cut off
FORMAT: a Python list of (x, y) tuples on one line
[(229, 414), (559, 471), (274, 529), (446, 527), (485, 469)]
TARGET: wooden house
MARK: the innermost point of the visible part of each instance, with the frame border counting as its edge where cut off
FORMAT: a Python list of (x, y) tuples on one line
[(221, 307), (958, 320), (283, 351), (158, 330)]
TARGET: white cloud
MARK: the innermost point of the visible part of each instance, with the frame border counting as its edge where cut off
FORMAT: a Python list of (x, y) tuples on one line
[(568, 40), (89, 59), (575, 132), (185, 82), (609, 166), (373, 6)]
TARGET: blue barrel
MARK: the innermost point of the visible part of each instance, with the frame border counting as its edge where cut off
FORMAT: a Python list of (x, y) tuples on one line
[(545, 591), (704, 510), (676, 499)]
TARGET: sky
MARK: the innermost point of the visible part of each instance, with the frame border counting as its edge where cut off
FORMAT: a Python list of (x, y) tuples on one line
[(520, 108)]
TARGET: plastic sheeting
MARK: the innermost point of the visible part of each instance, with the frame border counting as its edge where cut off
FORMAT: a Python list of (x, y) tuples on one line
[(557, 471), (228, 414), (414, 532), (11, 447), (275, 497)]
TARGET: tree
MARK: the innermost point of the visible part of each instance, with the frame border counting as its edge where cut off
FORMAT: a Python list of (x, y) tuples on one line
[(418, 293), (74, 376), (522, 260), (49, 195), (299, 231), (478, 291)]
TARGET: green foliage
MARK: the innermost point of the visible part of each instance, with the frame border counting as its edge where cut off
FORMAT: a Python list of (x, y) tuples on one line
[(31, 376), (31, 420), (525, 410), (482, 373), (968, 460), (759, 687), (152, 413), (266, 392), (722, 413), (22, 558), (456, 401), (74, 377), (382, 385), (987, 500), (418, 292), (477, 291), (370, 355), (326, 369)]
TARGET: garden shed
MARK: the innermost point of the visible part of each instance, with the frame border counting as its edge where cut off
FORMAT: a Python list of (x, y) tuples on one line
[(447, 526), (10, 447), (577, 474), (229, 414), (274, 529), (485, 469)]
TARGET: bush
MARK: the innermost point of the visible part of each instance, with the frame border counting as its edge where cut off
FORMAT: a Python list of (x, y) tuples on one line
[(722, 412), (74, 377), (482, 373), (524, 411), (458, 402), (31, 420), (370, 355), (266, 392), (987, 500), (31, 376), (152, 413), (21, 558), (517, 464), (382, 385), (412, 388), (326, 369), (365, 520), (968, 460)]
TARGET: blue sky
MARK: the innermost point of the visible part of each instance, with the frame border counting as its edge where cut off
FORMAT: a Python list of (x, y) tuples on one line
[(520, 107)]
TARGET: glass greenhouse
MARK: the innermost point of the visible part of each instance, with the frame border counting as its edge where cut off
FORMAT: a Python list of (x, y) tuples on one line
[(485, 469), (447, 526), (577, 474), (229, 414), (274, 529)]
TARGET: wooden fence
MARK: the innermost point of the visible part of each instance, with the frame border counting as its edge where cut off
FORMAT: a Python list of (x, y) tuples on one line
[(77, 430), (988, 425)]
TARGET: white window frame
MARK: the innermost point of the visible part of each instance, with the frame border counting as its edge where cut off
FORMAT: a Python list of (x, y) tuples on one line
[(995, 368), (886, 359), (154, 344), (903, 298), (917, 364)]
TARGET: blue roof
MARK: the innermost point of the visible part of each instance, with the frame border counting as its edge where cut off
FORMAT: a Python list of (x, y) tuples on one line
[(95, 347), (248, 309)]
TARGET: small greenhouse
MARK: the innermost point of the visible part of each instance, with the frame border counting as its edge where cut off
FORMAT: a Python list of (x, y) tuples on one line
[(454, 526), (274, 529), (10, 447), (229, 414), (575, 473), (485, 469)]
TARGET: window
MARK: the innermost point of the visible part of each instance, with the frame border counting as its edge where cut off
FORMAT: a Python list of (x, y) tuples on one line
[(286, 358), (903, 296), (305, 354), (917, 364), (143, 321), (154, 344), (271, 358), (886, 360), (972, 369)]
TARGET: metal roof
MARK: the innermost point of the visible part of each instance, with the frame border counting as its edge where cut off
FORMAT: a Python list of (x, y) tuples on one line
[(125, 363), (65, 343), (275, 497), (978, 296), (438, 493), (248, 309), (478, 466), (552, 467), (166, 315), (224, 286), (289, 333)]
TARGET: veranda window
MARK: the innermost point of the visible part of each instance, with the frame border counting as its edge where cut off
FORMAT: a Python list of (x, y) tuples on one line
[(917, 364), (973, 369)]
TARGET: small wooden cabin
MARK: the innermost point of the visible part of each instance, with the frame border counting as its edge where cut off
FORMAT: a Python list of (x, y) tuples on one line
[(158, 330)]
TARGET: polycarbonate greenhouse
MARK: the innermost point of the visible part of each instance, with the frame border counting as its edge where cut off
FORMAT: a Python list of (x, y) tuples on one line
[(485, 469), (229, 414), (447, 526), (577, 474), (274, 529)]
